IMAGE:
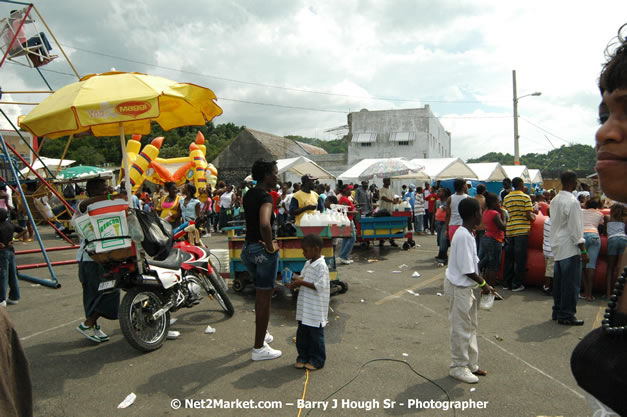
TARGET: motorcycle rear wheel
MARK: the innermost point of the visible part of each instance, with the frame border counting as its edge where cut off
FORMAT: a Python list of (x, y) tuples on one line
[(139, 329), (221, 296)]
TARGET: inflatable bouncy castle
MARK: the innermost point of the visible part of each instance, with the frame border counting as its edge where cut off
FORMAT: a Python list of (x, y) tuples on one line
[(146, 165)]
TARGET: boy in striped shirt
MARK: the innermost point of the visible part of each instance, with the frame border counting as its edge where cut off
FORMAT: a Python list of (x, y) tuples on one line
[(312, 308), (519, 208)]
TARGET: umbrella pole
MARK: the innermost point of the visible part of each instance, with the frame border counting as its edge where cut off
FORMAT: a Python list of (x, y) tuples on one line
[(129, 193), (67, 146)]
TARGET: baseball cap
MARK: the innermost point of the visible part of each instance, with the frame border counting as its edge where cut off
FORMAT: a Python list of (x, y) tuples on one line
[(412, 187), (307, 177)]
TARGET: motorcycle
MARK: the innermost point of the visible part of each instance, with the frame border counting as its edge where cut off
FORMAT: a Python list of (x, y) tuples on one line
[(164, 287)]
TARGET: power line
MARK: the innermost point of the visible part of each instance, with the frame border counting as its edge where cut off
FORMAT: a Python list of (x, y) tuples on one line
[(546, 131), (300, 90)]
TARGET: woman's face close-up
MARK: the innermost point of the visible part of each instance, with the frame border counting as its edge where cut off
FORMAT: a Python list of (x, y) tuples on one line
[(611, 145)]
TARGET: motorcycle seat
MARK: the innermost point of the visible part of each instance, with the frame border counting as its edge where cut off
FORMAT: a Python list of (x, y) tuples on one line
[(174, 260)]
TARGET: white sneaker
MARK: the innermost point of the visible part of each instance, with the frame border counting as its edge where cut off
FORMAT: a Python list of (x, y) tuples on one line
[(265, 353), (345, 261), (269, 338), (173, 335), (99, 333), (3, 304), (88, 332), (462, 373)]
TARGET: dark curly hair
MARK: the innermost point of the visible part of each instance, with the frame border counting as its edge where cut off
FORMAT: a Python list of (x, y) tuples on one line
[(262, 168), (614, 73)]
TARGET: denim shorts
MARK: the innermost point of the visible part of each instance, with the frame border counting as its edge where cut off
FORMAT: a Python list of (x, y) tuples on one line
[(492, 250), (593, 246), (616, 245), (261, 265)]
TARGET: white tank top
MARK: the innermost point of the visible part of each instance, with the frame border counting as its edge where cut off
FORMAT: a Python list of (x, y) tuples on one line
[(456, 219), (615, 229)]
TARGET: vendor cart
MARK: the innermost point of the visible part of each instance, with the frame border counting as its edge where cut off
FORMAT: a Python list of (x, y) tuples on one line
[(383, 228), (290, 256)]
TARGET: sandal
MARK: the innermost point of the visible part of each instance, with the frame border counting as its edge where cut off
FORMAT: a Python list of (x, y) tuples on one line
[(480, 372)]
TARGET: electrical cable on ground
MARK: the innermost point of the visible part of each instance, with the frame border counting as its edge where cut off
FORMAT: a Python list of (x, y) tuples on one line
[(385, 360), (300, 409)]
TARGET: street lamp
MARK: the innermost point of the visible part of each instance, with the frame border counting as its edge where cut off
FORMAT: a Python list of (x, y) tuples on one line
[(516, 98)]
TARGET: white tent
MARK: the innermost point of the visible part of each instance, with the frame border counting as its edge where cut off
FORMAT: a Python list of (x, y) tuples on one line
[(301, 166), (51, 163), (488, 171), (445, 168), (514, 171), (536, 176)]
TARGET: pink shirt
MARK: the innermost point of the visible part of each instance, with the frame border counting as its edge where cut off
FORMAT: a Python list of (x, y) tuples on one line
[(592, 218), (491, 230)]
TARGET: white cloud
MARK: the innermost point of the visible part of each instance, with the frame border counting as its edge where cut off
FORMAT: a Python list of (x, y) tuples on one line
[(455, 56)]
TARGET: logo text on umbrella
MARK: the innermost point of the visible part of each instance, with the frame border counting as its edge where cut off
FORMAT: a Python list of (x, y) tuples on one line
[(132, 108)]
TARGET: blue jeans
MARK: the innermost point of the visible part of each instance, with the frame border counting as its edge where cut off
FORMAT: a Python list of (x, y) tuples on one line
[(348, 243), (593, 246), (419, 222), (515, 261), (491, 250), (261, 265), (310, 345), (8, 276), (566, 282), (440, 229)]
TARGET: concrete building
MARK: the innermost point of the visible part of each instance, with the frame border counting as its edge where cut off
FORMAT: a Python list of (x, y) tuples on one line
[(409, 133), (12, 138), (235, 161)]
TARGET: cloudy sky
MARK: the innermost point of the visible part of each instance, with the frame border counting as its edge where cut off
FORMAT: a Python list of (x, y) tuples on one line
[(299, 66)]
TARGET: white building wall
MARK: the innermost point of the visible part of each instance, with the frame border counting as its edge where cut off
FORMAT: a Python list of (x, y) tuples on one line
[(430, 141)]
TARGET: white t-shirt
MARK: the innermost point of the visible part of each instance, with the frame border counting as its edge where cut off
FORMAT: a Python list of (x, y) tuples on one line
[(312, 307), (546, 242), (463, 259), (226, 199)]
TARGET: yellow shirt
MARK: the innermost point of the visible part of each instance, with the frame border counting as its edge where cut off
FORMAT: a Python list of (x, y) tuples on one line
[(305, 199)]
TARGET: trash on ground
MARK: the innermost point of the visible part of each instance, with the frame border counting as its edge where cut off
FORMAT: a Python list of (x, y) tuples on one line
[(372, 260), (294, 339), (330, 308), (363, 301), (416, 274), (499, 338), (130, 399), (337, 317), (173, 335), (402, 266), (473, 389), (405, 354), (439, 294), (415, 294), (210, 330), (173, 320), (369, 271), (396, 272)]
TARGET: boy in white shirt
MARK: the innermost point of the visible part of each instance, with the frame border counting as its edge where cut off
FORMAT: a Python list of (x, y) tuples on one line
[(461, 278), (313, 305)]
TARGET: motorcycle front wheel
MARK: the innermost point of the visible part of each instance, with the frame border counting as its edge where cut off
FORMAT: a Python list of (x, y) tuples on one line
[(220, 293), (138, 327)]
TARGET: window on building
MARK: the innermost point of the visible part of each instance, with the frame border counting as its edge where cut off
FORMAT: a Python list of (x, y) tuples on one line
[(364, 137), (402, 136), (366, 144), (403, 143)]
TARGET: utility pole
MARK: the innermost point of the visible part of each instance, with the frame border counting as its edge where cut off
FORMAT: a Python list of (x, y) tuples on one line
[(516, 148), (516, 98)]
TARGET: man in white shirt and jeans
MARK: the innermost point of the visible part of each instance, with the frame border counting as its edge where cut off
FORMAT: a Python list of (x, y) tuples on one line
[(569, 251)]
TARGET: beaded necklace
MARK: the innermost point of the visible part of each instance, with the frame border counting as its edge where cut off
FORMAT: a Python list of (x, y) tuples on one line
[(611, 307)]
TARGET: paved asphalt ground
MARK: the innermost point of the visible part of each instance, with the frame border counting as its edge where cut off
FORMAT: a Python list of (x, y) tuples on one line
[(527, 355)]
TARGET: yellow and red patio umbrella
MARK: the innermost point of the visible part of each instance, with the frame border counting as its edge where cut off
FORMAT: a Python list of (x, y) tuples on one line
[(119, 103)]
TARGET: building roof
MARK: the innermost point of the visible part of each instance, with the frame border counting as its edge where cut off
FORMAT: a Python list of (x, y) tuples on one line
[(311, 149), (489, 171)]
